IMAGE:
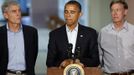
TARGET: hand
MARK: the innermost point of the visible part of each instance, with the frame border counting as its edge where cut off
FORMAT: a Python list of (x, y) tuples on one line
[(77, 61), (66, 63)]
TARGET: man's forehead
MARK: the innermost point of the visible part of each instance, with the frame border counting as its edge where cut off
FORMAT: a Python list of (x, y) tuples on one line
[(71, 7), (117, 5), (14, 7)]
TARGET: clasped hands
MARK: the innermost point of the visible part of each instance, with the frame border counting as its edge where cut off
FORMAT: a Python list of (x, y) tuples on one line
[(70, 61)]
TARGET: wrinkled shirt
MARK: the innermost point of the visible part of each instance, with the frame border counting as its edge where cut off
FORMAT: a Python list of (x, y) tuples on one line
[(116, 48)]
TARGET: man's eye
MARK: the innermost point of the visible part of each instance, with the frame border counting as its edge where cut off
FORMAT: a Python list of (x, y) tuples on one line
[(65, 12), (118, 10), (72, 12), (13, 11)]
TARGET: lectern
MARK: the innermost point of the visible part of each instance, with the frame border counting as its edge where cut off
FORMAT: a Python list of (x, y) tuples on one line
[(87, 71), (74, 69)]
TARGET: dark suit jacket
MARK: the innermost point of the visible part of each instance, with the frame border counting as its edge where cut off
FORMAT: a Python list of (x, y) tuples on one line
[(31, 49), (86, 40)]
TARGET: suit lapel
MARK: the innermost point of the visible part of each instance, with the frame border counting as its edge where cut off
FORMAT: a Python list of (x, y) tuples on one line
[(64, 36), (79, 38), (25, 35), (5, 37)]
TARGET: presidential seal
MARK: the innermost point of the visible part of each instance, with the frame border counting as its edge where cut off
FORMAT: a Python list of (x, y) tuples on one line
[(73, 69)]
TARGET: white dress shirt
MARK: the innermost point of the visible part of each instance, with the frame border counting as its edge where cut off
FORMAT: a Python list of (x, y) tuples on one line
[(72, 36), (117, 48)]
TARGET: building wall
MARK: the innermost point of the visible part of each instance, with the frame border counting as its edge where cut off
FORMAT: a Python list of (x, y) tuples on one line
[(41, 10), (99, 14), (130, 16)]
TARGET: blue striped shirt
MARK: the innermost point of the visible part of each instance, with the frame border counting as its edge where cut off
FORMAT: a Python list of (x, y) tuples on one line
[(16, 49)]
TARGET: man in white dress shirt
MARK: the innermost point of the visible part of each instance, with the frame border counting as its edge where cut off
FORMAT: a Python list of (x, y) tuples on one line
[(84, 48), (116, 42)]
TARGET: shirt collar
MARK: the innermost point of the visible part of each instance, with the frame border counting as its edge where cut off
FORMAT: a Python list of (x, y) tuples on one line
[(125, 26), (75, 29), (7, 26)]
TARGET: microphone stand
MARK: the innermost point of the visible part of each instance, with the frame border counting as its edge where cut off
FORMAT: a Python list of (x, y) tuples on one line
[(69, 50), (77, 55)]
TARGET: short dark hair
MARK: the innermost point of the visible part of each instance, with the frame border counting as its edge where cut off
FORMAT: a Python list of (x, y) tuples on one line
[(125, 5), (74, 3)]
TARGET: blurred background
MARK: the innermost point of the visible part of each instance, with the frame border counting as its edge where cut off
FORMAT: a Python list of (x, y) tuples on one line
[(47, 15)]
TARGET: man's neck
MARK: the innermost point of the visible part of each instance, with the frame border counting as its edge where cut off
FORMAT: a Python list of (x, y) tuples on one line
[(118, 25), (71, 27), (14, 27)]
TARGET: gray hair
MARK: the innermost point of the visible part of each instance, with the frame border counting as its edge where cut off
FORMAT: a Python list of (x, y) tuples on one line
[(7, 4)]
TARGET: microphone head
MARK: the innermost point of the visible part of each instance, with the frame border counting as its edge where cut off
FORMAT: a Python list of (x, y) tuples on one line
[(70, 46), (69, 50), (77, 52)]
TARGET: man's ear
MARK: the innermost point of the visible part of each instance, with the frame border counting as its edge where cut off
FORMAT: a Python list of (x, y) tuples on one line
[(5, 15), (126, 11), (81, 14)]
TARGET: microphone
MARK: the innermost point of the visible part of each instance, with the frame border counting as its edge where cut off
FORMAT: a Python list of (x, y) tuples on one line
[(69, 50), (77, 52)]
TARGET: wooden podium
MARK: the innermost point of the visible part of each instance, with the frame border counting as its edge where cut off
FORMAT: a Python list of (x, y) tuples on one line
[(87, 70)]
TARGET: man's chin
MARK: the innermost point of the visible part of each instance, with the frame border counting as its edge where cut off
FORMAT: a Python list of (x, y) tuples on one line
[(116, 21), (17, 23), (69, 24)]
